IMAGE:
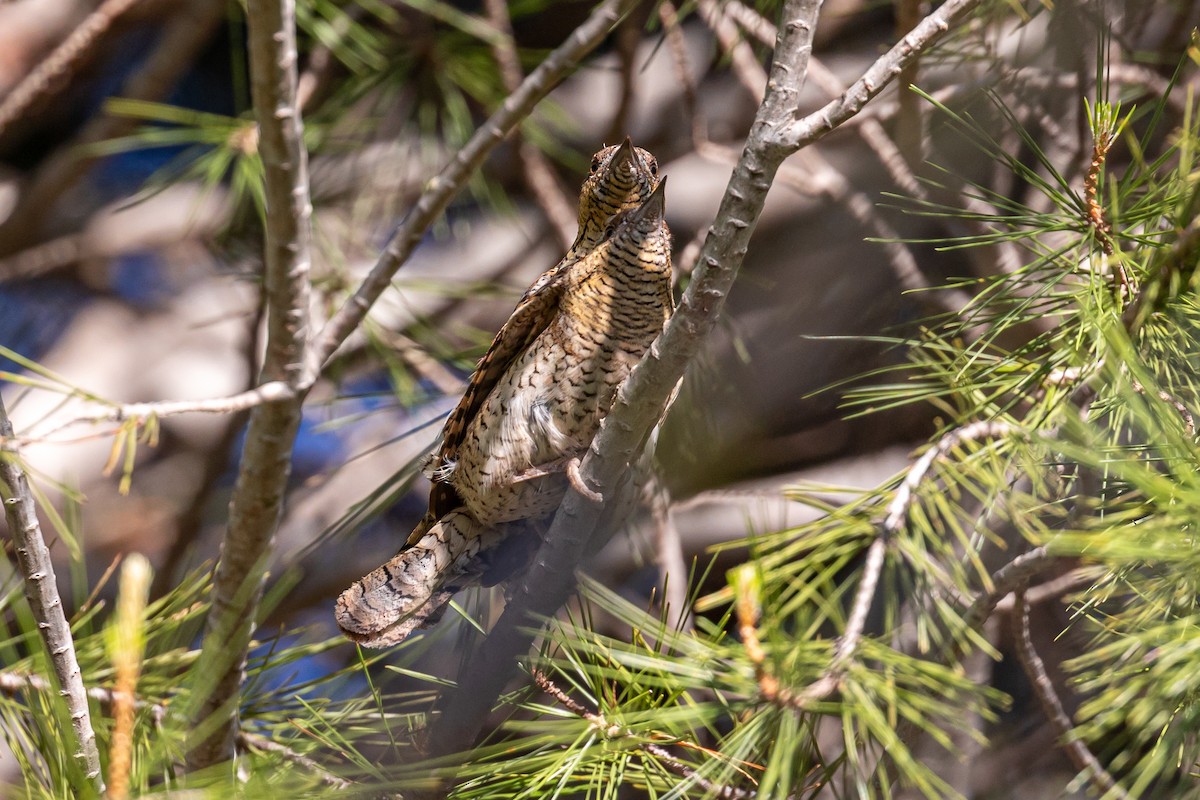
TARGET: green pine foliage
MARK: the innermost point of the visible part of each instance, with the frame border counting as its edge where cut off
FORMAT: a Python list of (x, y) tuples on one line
[(839, 646)]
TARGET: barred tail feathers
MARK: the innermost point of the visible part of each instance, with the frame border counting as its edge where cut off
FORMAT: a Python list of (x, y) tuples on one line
[(384, 607)]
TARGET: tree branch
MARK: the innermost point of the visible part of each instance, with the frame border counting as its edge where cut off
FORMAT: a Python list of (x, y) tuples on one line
[(1081, 756), (266, 458), (442, 188), (809, 129), (41, 588), (641, 399), (269, 392)]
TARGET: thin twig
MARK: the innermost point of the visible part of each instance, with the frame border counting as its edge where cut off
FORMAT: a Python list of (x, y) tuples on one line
[(266, 457), (1189, 422), (455, 174), (627, 35), (64, 57), (746, 67), (677, 44), (37, 569), (1052, 589), (668, 550), (13, 683), (253, 741), (1014, 575), (539, 176), (808, 129), (822, 179), (1080, 754), (893, 525), (270, 392), (611, 730)]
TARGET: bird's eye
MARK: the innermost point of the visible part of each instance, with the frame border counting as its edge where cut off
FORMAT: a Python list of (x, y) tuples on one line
[(595, 164), (653, 167)]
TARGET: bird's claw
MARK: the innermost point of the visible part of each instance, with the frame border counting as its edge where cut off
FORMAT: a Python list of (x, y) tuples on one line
[(577, 482)]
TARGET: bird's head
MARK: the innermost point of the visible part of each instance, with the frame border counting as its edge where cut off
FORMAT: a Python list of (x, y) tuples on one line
[(622, 176)]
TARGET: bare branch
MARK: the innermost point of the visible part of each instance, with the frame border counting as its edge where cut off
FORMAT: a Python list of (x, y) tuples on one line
[(1014, 575), (41, 588), (641, 399), (1185, 414), (270, 392), (820, 178), (745, 66), (893, 525), (809, 129), (266, 458), (910, 119), (1080, 754), (253, 741), (443, 187)]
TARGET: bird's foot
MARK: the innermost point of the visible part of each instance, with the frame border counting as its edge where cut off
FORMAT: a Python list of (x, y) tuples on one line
[(577, 482)]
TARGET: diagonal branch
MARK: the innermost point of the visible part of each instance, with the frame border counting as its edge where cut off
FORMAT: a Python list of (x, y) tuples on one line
[(774, 134), (640, 401), (1080, 754), (266, 458), (442, 188), (33, 559)]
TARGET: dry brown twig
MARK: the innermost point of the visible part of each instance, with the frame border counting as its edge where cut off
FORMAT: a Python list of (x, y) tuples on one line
[(1080, 754), (41, 589)]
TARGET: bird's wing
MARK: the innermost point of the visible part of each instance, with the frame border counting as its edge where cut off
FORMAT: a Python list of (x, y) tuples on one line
[(532, 316)]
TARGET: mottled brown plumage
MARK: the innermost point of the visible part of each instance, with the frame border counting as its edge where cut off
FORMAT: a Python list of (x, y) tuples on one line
[(533, 405), (622, 176)]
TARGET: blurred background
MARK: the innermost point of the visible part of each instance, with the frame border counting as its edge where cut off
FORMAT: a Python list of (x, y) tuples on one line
[(130, 257)]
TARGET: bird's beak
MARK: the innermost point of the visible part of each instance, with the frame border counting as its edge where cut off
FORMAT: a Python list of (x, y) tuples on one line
[(624, 155), (655, 205)]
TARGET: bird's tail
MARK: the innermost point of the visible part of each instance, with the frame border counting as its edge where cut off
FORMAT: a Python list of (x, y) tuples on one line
[(384, 607)]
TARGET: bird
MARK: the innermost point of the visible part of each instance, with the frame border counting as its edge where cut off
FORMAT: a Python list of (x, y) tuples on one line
[(529, 413), (621, 176)]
